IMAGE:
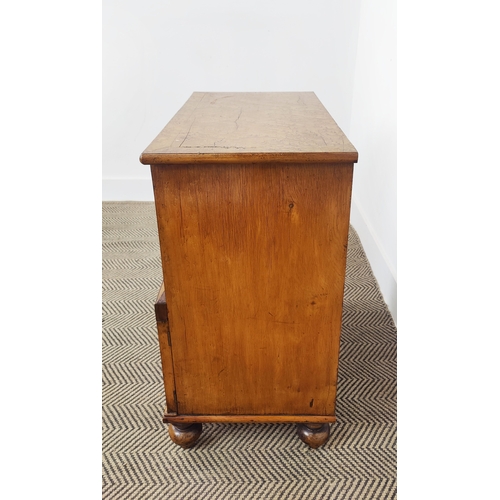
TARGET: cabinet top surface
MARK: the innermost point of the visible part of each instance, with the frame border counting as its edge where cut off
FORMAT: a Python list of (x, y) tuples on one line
[(248, 127)]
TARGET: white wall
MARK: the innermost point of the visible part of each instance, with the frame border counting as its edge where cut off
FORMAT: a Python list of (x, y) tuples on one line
[(373, 132), (156, 53)]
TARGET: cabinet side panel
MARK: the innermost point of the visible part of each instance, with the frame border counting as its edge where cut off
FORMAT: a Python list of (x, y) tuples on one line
[(254, 262)]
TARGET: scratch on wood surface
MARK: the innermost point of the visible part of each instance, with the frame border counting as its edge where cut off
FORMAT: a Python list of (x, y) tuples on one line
[(219, 98), (217, 147), (236, 121), (189, 130)]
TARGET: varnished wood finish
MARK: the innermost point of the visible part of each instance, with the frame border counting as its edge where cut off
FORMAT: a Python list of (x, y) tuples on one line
[(165, 350), (252, 194), (161, 306), (313, 435), (248, 127), (254, 257), (184, 435), (248, 419)]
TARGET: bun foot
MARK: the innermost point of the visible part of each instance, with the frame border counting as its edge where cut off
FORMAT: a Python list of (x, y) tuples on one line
[(313, 435), (184, 435)]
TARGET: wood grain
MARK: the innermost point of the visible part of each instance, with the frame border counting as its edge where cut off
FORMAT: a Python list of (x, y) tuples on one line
[(249, 419), (185, 435), (165, 350), (161, 306), (254, 257), (251, 127), (314, 435)]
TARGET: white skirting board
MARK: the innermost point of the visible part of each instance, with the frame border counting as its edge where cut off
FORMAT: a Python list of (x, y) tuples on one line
[(127, 190), (379, 263)]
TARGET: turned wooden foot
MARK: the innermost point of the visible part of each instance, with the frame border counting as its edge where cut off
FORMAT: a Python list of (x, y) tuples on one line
[(184, 435), (313, 434)]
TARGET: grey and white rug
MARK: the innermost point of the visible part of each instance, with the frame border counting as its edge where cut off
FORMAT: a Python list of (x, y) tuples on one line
[(237, 461)]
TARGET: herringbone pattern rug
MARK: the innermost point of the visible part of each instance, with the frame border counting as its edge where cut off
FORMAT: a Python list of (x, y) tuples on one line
[(237, 461)]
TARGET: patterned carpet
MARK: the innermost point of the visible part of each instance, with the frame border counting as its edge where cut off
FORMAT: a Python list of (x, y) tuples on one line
[(237, 461)]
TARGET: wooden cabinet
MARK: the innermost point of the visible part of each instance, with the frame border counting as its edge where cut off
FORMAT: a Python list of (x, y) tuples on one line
[(252, 194)]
